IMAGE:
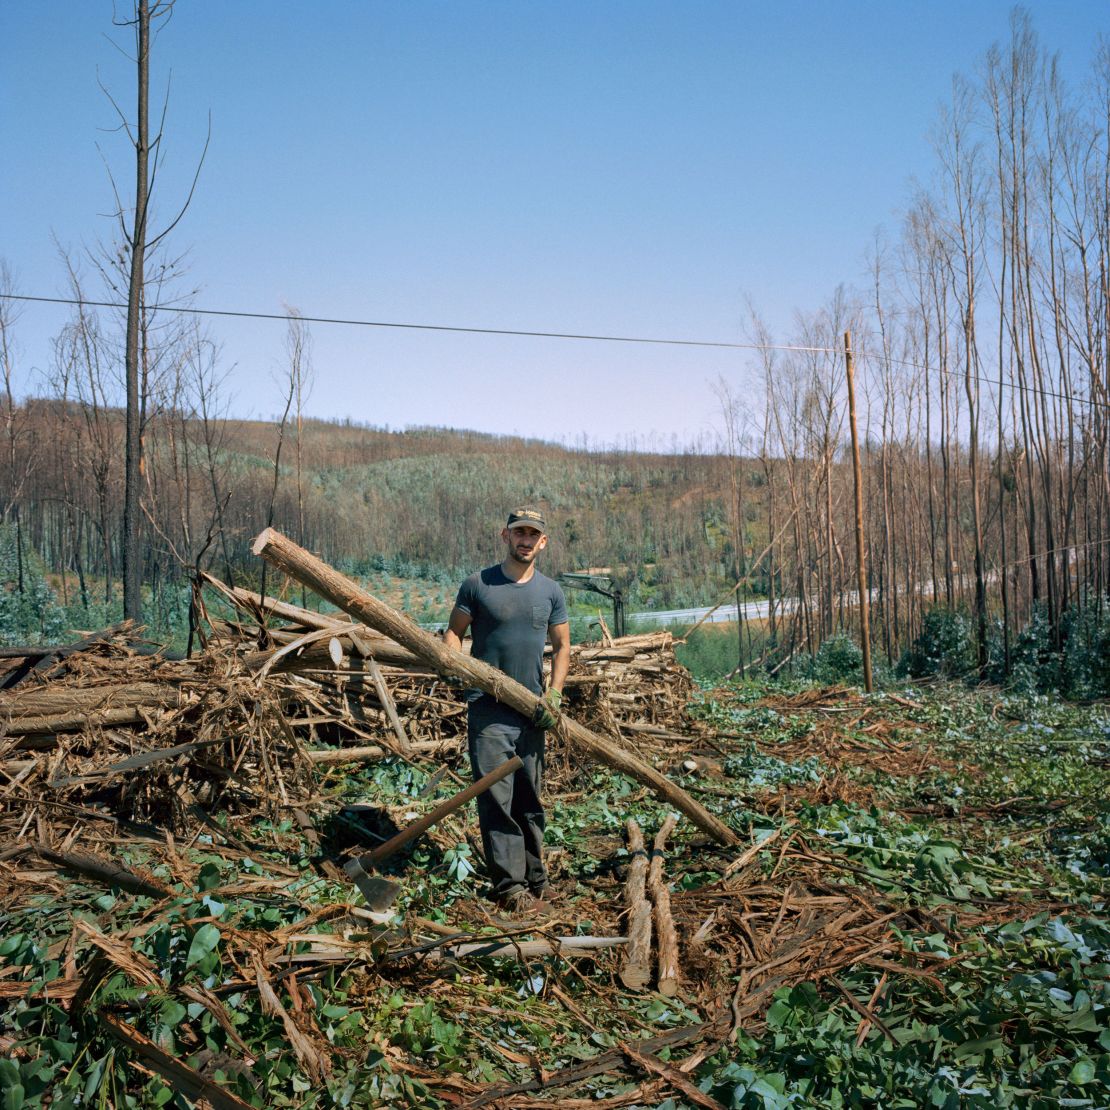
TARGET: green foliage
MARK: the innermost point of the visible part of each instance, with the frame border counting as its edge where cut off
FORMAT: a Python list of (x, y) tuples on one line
[(1085, 668), (944, 648), (752, 721), (1035, 665), (755, 769), (1025, 1027), (838, 659), (30, 614), (1078, 668), (38, 615), (1011, 1011)]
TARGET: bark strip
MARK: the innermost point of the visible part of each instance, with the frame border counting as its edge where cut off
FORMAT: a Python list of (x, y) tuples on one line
[(636, 965), (678, 1080), (180, 1076), (667, 961), (403, 742), (108, 872)]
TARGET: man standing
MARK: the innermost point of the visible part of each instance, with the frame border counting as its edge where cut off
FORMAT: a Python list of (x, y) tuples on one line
[(511, 610)]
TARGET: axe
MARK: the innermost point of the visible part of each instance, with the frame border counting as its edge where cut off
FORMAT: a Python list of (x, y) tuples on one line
[(378, 892)]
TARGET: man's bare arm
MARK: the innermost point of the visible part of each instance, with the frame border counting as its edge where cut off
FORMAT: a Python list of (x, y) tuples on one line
[(456, 629), (560, 657)]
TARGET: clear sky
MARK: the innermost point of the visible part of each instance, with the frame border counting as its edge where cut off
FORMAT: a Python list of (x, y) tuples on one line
[(590, 167)]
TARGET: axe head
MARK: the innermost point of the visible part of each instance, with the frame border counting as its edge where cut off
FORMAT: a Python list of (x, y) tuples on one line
[(379, 893)]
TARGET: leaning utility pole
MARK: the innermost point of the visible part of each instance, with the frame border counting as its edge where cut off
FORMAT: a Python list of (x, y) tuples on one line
[(861, 569)]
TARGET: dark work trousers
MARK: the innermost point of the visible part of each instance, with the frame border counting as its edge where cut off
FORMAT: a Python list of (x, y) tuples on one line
[(509, 812)]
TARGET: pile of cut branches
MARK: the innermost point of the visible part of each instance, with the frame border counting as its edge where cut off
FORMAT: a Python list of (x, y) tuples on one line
[(273, 693), (176, 918)]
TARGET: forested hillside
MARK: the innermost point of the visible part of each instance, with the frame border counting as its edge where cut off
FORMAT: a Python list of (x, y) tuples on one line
[(421, 503)]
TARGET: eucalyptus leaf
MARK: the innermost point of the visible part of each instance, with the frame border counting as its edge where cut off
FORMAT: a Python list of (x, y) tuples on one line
[(204, 942)]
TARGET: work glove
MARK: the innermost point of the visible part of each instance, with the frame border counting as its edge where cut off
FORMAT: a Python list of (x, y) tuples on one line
[(546, 715)]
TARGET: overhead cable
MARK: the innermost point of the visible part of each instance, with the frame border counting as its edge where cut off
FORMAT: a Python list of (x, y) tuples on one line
[(429, 327), (459, 329)]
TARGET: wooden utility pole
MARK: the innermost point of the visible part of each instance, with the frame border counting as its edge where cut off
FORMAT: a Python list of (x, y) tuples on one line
[(857, 475)]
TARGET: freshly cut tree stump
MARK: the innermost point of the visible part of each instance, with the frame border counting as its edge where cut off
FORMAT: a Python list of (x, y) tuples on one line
[(636, 965), (664, 922), (303, 566)]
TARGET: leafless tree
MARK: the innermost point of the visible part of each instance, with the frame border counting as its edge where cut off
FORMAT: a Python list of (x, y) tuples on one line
[(139, 241)]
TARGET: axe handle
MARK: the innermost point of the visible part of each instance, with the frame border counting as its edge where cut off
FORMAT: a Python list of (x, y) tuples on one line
[(384, 851)]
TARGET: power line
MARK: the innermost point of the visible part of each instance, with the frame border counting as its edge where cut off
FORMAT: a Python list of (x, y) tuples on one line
[(1070, 397), (459, 329), (430, 327)]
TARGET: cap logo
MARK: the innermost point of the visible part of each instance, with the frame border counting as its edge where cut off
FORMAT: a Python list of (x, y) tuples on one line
[(526, 517)]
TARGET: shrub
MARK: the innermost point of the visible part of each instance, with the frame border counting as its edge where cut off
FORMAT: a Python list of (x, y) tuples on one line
[(838, 659), (33, 614), (945, 646), (1085, 667), (1035, 665)]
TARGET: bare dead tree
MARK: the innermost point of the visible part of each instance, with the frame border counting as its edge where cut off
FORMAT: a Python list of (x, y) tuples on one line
[(298, 349), (139, 242), (960, 155), (291, 390), (19, 449)]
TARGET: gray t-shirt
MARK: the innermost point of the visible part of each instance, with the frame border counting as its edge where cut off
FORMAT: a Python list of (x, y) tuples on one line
[(509, 623)]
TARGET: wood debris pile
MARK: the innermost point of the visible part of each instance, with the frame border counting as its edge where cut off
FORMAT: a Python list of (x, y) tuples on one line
[(632, 687), (142, 737), (276, 691), (196, 792)]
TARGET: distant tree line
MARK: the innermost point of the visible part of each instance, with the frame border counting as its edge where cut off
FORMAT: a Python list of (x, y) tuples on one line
[(983, 339)]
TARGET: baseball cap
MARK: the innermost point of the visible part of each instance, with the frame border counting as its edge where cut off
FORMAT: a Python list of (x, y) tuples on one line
[(527, 518)]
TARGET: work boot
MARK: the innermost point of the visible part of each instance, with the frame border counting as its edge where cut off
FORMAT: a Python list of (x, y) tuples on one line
[(541, 909), (517, 902), (522, 905)]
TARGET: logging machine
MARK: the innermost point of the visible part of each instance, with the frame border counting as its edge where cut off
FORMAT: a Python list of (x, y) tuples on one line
[(598, 582)]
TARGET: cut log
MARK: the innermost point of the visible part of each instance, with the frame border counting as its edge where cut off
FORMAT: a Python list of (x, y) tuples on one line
[(636, 965), (382, 649), (348, 596), (70, 710), (369, 752), (403, 741), (254, 602), (667, 962)]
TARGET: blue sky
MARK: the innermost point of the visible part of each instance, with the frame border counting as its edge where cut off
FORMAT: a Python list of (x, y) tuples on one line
[(617, 168)]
